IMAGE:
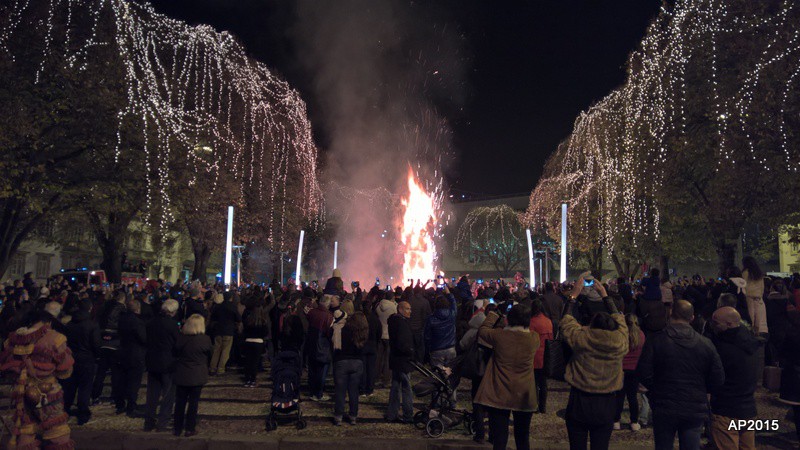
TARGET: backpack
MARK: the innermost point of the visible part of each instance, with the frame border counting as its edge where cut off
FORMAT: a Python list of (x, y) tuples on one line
[(473, 361)]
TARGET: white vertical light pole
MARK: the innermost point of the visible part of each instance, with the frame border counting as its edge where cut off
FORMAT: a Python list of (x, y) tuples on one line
[(228, 249), (335, 253), (563, 242), (541, 271), (299, 258), (531, 267)]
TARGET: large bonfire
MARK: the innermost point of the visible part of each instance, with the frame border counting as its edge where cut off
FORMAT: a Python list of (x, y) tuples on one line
[(417, 232)]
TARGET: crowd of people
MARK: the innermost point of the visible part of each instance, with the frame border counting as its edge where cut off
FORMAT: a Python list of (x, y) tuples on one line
[(695, 346)]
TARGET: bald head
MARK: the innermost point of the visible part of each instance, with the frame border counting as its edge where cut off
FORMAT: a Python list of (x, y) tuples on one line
[(725, 318), (682, 311), (404, 308)]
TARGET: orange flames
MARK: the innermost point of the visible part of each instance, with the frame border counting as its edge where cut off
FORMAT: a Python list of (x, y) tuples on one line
[(416, 233)]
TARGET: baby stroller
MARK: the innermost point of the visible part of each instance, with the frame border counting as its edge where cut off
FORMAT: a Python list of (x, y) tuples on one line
[(438, 415), (285, 401)]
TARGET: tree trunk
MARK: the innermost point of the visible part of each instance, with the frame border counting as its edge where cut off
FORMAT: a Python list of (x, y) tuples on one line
[(110, 238), (595, 257), (664, 266), (726, 255), (112, 258), (201, 256), (621, 266)]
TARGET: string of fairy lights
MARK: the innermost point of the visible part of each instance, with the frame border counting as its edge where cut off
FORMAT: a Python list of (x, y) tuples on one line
[(611, 168), (197, 92)]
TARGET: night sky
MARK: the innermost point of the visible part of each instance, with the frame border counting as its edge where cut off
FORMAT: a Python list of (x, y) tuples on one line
[(531, 67)]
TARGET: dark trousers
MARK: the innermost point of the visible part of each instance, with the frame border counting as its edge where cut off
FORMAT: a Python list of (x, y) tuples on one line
[(796, 410), (368, 375), (80, 382), (160, 399), (498, 428), (478, 411), (665, 427), (252, 352), (382, 370), (581, 433), (346, 378), (187, 399), (419, 345), (108, 360), (541, 388), (629, 389), (128, 390), (317, 373)]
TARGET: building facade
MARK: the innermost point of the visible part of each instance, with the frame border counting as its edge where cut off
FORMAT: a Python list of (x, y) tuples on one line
[(77, 248)]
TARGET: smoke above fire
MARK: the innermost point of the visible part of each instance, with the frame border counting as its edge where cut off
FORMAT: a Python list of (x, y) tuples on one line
[(382, 71)]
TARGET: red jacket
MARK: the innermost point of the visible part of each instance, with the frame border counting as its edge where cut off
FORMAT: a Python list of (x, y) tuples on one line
[(542, 326), (320, 320), (631, 360)]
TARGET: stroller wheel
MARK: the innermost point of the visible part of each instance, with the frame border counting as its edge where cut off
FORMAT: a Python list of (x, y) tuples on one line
[(301, 424), (420, 419), (272, 424), (434, 427), (469, 425)]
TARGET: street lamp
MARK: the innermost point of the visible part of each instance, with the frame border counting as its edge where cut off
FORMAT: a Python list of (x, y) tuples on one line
[(563, 242)]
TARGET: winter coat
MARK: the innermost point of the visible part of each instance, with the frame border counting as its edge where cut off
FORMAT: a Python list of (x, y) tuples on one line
[(440, 329), (192, 306), (738, 351), (596, 363), (542, 326), (666, 292), (680, 367), (790, 361), (401, 344), (319, 324), (132, 341), (375, 333), (469, 337), (224, 319), (348, 348), (508, 382), (652, 315), (192, 354), (777, 315), (420, 311), (109, 323), (385, 309), (652, 288), (83, 338), (162, 334), (631, 359), (553, 306)]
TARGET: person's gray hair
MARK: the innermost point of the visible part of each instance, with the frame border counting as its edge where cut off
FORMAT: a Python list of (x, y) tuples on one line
[(195, 324), (53, 308), (325, 301), (170, 306)]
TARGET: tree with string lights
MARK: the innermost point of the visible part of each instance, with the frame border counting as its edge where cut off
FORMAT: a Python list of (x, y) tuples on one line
[(162, 87), (700, 141), (493, 235)]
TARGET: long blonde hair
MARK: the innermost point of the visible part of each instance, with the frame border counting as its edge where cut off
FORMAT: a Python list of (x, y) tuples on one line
[(633, 330), (195, 324)]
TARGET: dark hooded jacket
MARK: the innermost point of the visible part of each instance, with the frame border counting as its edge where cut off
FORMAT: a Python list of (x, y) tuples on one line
[(440, 329), (737, 348), (679, 367), (652, 288), (83, 338)]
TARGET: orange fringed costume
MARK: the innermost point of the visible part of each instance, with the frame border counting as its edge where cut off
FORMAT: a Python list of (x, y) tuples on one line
[(38, 355)]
